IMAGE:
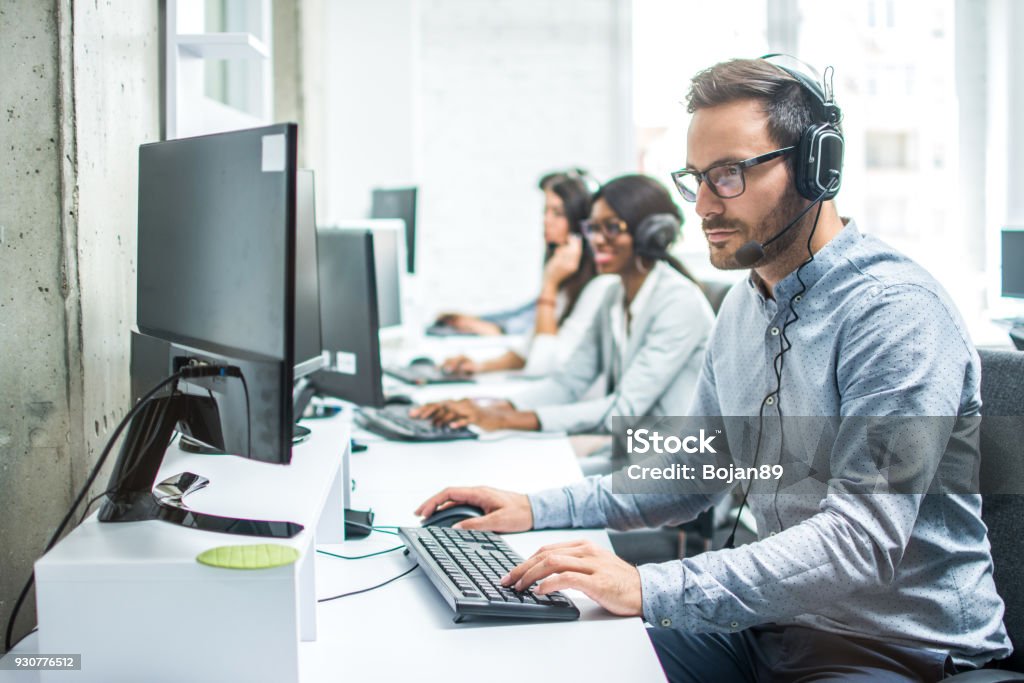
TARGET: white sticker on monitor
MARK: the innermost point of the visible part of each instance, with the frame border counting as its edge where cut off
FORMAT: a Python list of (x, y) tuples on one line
[(273, 153), (346, 363)]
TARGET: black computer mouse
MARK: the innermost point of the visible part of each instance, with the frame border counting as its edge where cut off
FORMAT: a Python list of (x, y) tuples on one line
[(422, 360), (398, 400), (452, 515)]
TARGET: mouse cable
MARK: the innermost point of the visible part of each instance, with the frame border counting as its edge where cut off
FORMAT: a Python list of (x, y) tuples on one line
[(410, 570), (361, 557), (371, 528)]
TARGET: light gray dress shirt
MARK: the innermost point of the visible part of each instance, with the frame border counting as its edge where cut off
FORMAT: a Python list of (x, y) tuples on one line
[(655, 374), (876, 336)]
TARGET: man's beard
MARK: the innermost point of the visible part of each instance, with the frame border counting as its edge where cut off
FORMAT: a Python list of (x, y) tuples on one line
[(785, 210)]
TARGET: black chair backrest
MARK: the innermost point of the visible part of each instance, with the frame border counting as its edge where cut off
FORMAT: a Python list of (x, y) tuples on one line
[(1002, 469)]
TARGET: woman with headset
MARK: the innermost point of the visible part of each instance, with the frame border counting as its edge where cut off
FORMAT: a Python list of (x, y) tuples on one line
[(570, 294), (648, 336)]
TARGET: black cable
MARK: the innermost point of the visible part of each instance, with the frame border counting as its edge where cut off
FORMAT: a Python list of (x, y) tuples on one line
[(370, 528), (135, 465), (361, 557), (778, 364), (248, 410), (22, 639), (410, 570), (81, 495)]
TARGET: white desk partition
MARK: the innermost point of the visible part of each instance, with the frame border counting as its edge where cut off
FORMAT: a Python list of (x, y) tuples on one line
[(134, 602)]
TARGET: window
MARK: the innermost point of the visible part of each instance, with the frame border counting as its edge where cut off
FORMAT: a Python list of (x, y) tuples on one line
[(218, 66), (887, 150)]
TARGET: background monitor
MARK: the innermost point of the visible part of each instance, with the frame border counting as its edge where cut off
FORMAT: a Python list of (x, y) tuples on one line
[(348, 314), (389, 262), (1013, 263), (308, 343), (217, 271), (399, 202)]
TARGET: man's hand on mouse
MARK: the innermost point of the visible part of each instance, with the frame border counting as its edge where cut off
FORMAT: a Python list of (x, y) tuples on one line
[(604, 577), (503, 510)]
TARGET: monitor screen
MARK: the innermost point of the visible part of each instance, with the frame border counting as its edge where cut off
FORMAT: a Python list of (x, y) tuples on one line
[(1013, 263), (389, 261), (388, 265), (308, 346), (216, 236), (216, 281), (400, 203), (348, 313)]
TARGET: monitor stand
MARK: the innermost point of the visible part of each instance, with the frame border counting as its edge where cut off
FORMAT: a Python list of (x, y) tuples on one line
[(190, 445), (132, 497)]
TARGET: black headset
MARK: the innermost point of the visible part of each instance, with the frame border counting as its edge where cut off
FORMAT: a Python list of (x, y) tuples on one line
[(655, 235), (818, 170), (818, 162)]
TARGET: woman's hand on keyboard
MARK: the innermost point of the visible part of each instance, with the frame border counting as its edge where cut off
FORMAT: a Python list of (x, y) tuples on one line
[(605, 578), (503, 510)]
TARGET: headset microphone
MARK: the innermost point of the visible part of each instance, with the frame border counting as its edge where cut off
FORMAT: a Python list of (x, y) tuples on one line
[(753, 251)]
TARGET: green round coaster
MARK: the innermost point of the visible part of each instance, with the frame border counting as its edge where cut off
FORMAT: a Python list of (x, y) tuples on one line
[(261, 556)]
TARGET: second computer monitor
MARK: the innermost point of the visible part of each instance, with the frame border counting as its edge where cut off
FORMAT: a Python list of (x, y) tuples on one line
[(349, 314), (1013, 263), (389, 262), (399, 202), (308, 345)]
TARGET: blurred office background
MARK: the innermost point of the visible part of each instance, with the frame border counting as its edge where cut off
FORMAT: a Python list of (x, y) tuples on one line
[(471, 101)]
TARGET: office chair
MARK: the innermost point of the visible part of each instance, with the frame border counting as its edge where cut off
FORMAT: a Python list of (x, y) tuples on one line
[(1002, 476)]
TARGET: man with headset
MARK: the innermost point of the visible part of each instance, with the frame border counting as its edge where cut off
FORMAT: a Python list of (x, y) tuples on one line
[(855, 580)]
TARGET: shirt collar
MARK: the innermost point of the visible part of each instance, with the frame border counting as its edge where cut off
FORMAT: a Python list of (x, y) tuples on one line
[(824, 260)]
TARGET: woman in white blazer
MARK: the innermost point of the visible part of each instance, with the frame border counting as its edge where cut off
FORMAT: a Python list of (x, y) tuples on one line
[(648, 335)]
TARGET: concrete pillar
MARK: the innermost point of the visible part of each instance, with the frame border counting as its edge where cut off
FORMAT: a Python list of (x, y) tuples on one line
[(80, 94)]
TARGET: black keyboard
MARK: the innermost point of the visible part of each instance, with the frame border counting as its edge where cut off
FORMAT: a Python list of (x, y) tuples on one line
[(425, 373), (467, 566), (393, 422)]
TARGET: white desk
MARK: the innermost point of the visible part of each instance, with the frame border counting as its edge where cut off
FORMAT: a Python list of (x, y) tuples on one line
[(405, 630)]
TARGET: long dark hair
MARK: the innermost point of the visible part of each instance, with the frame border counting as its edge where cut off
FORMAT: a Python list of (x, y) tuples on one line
[(576, 205), (635, 197)]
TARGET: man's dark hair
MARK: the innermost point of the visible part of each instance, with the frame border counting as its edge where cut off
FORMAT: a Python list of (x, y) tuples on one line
[(785, 100)]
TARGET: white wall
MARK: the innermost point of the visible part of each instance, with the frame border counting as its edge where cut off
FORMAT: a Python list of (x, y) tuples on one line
[(473, 101)]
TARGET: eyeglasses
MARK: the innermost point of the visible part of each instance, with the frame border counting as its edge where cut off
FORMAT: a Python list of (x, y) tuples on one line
[(725, 180), (610, 228)]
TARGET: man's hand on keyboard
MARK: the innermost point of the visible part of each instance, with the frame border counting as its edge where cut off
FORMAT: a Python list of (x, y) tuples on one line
[(605, 578), (503, 510)]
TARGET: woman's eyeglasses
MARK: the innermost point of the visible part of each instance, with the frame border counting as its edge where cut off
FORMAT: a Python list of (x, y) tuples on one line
[(610, 228), (725, 180)]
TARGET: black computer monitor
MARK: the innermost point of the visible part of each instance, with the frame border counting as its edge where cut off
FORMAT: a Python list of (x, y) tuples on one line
[(223, 278), (1013, 263), (399, 202), (387, 258), (308, 343), (348, 315)]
